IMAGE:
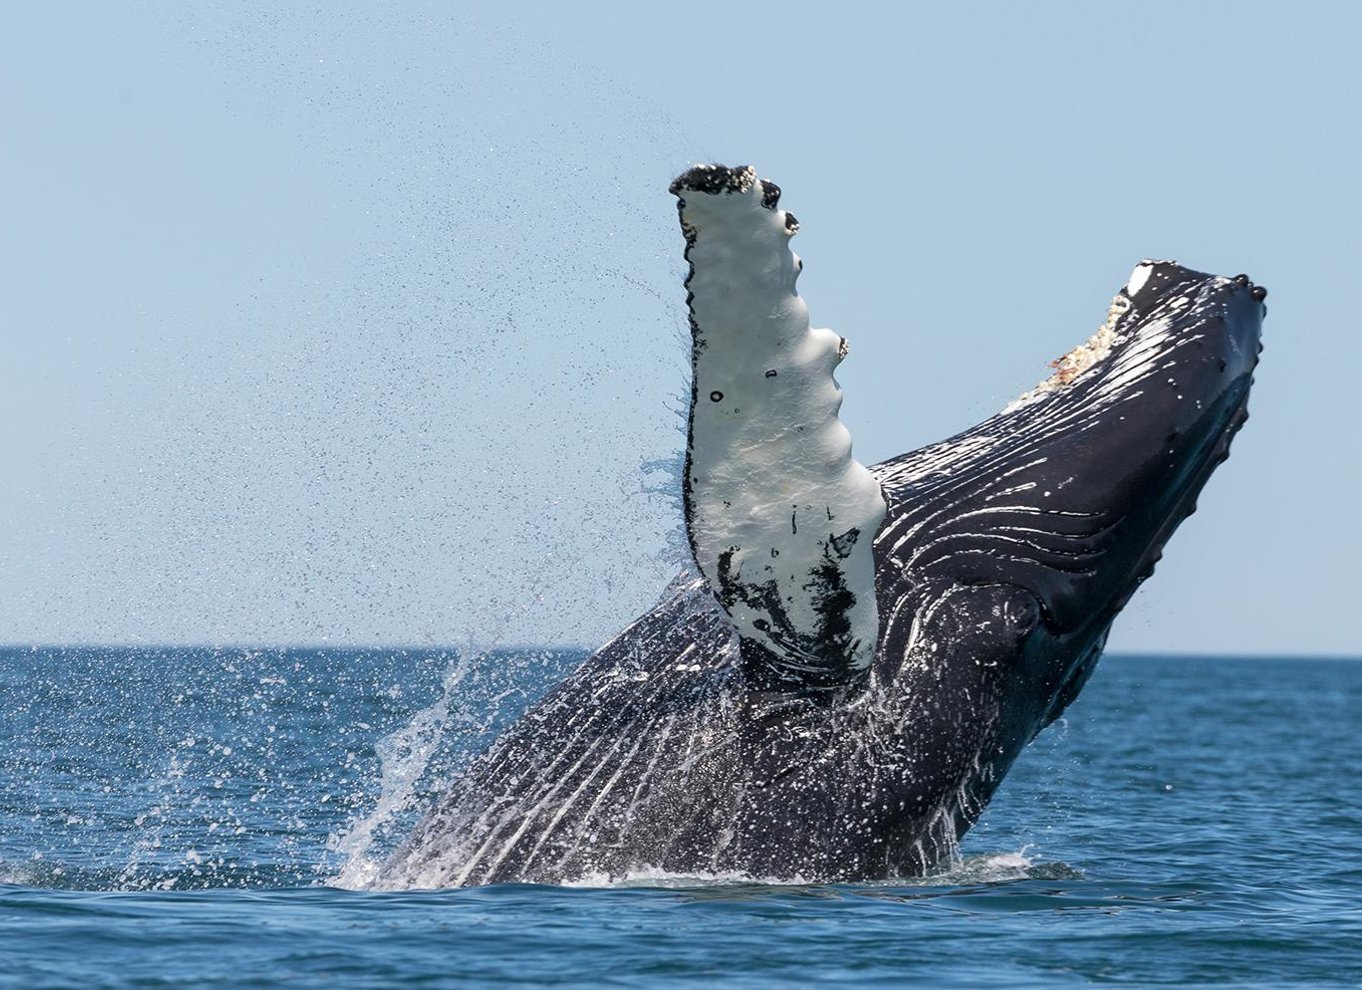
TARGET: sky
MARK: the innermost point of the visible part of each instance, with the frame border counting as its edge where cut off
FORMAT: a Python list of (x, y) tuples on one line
[(363, 324)]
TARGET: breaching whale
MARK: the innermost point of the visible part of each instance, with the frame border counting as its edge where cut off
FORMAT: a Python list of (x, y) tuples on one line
[(862, 653)]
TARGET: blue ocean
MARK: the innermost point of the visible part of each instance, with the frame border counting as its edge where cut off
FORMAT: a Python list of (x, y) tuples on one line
[(194, 818)]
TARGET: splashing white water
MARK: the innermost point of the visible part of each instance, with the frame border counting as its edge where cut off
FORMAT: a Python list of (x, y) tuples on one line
[(984, 868), (404, 757)]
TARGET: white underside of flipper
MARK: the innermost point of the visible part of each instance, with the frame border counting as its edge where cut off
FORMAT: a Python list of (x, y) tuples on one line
[(781, 518)]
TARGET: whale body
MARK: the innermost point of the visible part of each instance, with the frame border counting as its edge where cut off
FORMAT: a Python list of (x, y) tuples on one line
[(861, 732)]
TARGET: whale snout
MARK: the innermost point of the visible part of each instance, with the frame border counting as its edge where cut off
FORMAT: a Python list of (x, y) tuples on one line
[(1175, 317), (1156, 282)]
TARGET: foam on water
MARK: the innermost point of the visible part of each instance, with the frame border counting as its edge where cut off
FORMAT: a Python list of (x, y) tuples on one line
[(197, 769), (978, 869)]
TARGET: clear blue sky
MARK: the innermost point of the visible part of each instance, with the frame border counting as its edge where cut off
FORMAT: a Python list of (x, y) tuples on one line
[(354, 325)]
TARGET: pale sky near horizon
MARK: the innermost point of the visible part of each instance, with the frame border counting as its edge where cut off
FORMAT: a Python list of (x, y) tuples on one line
[(362, 324)]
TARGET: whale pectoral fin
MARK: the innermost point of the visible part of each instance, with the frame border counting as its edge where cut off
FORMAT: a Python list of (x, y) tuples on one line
[(781, 518)]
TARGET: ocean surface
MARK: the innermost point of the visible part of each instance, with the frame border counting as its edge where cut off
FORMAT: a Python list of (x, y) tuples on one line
[(191, 818)]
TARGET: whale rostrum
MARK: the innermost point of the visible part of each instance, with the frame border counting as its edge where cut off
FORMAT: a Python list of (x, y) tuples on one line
[(864, 652)]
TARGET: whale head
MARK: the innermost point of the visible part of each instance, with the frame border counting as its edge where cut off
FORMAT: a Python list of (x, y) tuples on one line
[(1008, 550)]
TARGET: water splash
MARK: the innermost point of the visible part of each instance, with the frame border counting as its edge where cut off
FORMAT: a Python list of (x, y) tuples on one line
[(404, 758), (984, 868), (192, 768)]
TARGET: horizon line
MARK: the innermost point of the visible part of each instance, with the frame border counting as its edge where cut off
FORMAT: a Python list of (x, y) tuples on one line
[(574, 648)]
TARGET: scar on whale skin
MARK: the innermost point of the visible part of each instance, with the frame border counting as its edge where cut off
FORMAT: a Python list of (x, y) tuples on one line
[(735, 728)]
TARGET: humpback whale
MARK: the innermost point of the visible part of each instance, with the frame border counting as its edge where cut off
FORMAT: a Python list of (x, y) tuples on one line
[(861, 653)]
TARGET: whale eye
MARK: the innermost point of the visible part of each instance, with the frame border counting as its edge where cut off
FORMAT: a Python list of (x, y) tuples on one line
[(761, 624), (771, 373), (716, 396)]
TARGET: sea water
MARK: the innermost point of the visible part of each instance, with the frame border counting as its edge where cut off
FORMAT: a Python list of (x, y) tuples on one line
[(177, 818)]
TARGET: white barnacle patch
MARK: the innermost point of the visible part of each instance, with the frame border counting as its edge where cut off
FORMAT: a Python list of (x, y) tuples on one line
[(781, 517), (1069, 366)]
